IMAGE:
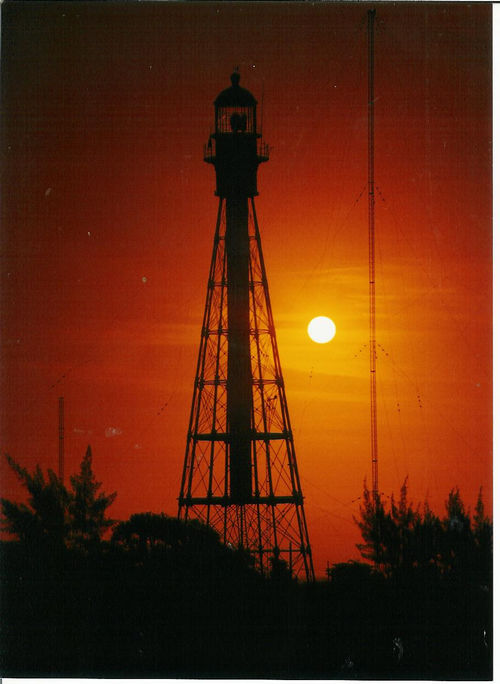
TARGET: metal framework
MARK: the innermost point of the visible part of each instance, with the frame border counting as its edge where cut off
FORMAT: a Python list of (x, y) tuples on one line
[(269, 520), (61, 439), (240, 472), (371, 244)]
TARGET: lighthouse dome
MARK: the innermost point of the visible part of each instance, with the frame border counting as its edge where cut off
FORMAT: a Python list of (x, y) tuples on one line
[(235, 96)]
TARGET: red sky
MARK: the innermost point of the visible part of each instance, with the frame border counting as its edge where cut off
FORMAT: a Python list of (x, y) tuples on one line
[(108, 217)]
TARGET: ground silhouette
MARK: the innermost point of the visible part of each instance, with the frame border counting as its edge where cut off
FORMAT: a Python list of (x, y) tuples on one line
[(165, 598)]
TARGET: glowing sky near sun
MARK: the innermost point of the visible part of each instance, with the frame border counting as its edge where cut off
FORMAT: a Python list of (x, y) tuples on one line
[(108, 216)]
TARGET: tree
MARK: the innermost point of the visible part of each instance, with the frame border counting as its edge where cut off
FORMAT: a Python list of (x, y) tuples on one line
[(404, 521), (402, 538), (377, 530), (146, 531), (181, 548), (87, 507), (458, 545), (280, 571), (54, 515), (427, 539), (482, 531), (350, 574), (46, 517)]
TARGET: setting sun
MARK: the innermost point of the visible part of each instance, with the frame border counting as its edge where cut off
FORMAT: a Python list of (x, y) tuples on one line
[(321, 329)]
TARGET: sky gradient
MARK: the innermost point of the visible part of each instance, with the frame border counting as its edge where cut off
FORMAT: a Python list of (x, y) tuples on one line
[(108, 216)]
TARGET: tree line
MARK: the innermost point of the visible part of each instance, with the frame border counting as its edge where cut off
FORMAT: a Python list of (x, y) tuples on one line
[(83, 594), (401, 538)]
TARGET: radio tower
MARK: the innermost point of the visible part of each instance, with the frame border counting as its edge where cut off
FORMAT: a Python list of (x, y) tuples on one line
[(61, 439), (240, 472), (371, 257)]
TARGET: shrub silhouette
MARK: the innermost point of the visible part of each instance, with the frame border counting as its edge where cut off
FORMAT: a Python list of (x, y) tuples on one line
[(57, 516), (166, 598), (400, 538)]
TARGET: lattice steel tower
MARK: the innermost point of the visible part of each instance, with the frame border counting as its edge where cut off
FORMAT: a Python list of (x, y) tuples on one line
[(240, 472)]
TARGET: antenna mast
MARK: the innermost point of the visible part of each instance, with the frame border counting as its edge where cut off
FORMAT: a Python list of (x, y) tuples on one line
[(262, 107), (61, 438), (371, 243)]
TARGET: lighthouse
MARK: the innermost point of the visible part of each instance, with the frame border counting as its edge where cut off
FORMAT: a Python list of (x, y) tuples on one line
[(240, 472)]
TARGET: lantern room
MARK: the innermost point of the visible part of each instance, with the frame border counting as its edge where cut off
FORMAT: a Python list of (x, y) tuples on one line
[(235, 147), (235, 109)]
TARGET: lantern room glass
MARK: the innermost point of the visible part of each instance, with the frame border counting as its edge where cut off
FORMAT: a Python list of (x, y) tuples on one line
[(235, 120)]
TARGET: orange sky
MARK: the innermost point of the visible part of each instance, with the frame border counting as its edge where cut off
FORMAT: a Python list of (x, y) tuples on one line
[(109, 213)]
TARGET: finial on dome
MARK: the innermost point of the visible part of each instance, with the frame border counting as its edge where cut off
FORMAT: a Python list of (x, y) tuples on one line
[(235, 78)]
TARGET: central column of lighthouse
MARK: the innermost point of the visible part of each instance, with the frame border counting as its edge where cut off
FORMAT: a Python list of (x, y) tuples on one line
[(239, 370)]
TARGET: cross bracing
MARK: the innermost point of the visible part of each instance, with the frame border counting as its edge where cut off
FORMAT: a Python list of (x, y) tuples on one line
[(268, 520)]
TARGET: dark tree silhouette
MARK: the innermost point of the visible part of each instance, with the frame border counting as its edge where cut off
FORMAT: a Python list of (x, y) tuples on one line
[(352, 572), (147, 531), (280, 572), (373, 524), (482, 530), (401, 538), (46, 516), (166, 598), (54, 515), (186, 548), (87, 506)]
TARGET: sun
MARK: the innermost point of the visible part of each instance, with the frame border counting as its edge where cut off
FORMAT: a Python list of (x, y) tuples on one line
[(321, 329)]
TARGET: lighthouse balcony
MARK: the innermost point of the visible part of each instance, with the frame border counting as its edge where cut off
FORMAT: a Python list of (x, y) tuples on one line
[(262, 151), (209, 152)]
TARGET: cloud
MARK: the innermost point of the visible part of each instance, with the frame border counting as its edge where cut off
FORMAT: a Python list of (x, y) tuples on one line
[(112, 432), (81, 431)]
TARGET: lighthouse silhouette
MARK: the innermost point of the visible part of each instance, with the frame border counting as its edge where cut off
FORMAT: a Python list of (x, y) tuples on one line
[(240, 472)]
